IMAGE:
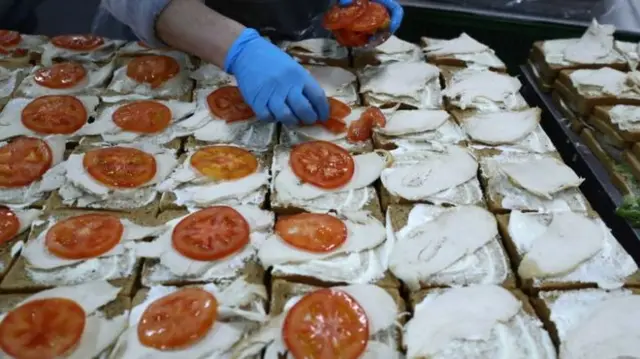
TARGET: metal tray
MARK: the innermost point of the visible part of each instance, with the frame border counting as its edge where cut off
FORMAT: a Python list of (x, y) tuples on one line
[(597, 187)]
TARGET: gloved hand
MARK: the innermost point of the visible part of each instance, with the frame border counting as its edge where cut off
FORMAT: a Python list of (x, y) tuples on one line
[(395, 11), (275, 86)]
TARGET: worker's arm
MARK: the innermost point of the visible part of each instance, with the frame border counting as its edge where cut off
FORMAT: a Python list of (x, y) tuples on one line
[(273, 84)]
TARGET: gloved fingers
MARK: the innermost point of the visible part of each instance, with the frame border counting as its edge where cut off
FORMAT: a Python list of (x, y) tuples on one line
[(396, 11), (280, 110), (259, 105), (301, 107), (318, 99)]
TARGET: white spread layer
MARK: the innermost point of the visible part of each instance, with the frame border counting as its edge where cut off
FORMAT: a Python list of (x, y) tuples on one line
[(25, 218), (211, 75), (605, 81), (569, 309), (611, 331), (360, 259), (104, 52), (192, 189), (415, 84), (608, 267), (379, 307), (630, 51), (11, 117), (336, 82), (134, 48), (182, 124), (32, 43), (50, 180), (45, 267), (251, 133), (9, 81), (175, 87), (515, 197), (287, 190), (92, 84), (393, 50), (475, 322), (316, 49), (435, 249), (240, 310), (464, 48), (174, 265), (626, 117), (440, 174), (99, 333), (484, 90), (596, 46), (84, 191), (415, 128)]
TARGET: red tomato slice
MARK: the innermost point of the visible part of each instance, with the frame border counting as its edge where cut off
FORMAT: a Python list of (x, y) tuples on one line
[(154, 70), (362, 129), (322, 164), (146, 116), (338, 110), (78, 42), (9, 225), (374, 18), (326, 324), (23, 161), (83, 237), (339, 17), (350, 38), (54, 115), (42, 329), (60, 76), (178, 320), (120, 167), (224, 163), (228, 104), (211, 234), (9, 38), (312, 232)]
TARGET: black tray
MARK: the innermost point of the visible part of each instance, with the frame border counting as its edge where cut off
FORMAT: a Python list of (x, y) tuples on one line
[(597, 187)]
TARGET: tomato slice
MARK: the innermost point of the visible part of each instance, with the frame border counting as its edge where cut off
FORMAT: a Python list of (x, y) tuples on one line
[(312, 232), (211, 234), (9, 225), (120, 167), (362, 129), (42, 329), (146, 116), (322, 164), (9, 38), (326, 324), (154, 70), (228, 104), (60, 76), (224, 163), (83, 237), (339, 17), (78, 42), (374, 18), (350, 38), (54, 115), (23, 161), (178, 320)]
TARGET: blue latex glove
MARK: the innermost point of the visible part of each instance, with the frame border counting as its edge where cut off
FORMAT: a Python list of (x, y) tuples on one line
[(275, 86), (395, 11)]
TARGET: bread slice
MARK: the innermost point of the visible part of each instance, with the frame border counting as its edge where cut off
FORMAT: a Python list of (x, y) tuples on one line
[(571, 119), (583, 101), (329, 54), (392, 49), (462, 60), (115, 308), (154, 273), (9, 86), (22, 279), (504, 196), (560, 311), (168, 200), (28, 52), (604, 114), (523, 329), (608, 130), (610, 260), (487, 265), (536, 141), (10, 250), (548, 72)]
